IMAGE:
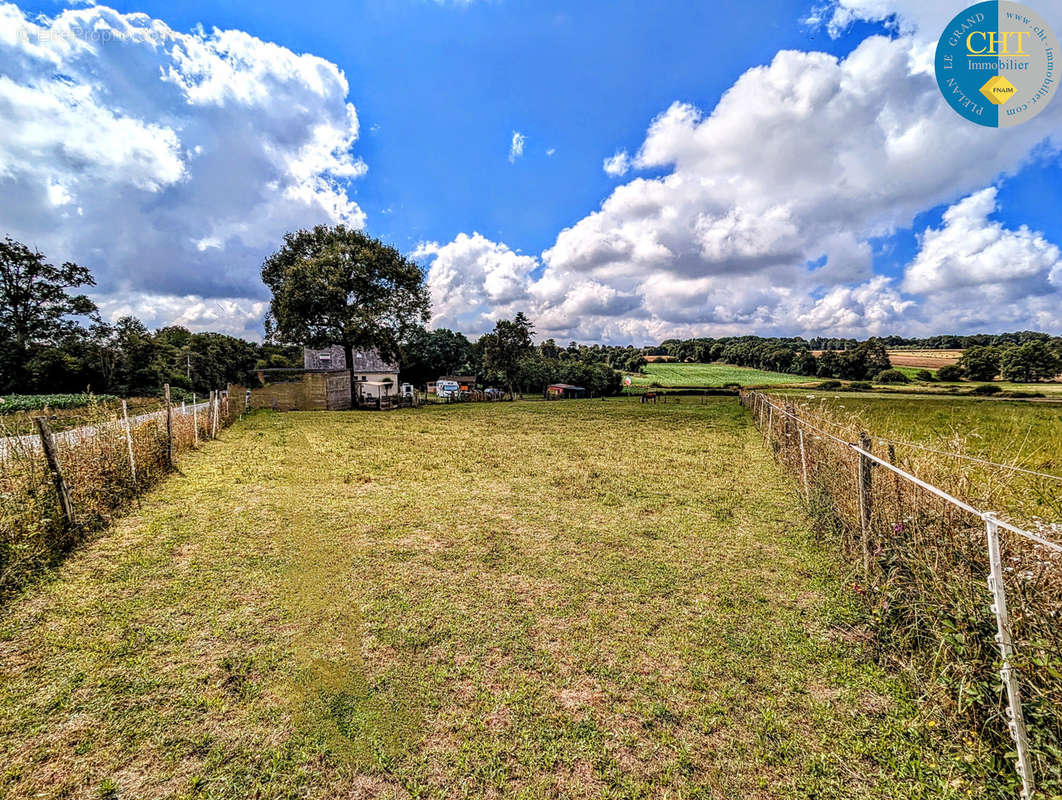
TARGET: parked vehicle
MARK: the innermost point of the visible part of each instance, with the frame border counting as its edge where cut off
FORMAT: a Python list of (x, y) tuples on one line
[(447, 390)]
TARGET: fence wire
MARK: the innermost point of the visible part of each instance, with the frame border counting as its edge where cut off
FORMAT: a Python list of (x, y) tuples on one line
[(56, 488), (940, 579)]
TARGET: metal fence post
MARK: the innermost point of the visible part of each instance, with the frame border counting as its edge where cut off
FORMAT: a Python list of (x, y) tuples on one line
[(66, 502), (129, 442), (1016, 723)]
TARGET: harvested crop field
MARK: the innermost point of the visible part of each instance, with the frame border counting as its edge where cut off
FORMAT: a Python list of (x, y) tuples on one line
[(924, 359), (573, 599)]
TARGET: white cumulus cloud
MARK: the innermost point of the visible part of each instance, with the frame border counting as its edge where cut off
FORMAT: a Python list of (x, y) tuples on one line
[(473, 281), (764, 218), (169, 163), (618, 164), (974, 268)]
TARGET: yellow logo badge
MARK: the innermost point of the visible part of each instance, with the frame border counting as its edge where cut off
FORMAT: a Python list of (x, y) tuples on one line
[(998, 90)]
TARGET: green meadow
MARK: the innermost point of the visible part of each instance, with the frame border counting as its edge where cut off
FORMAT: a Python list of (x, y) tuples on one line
[(464, 601)]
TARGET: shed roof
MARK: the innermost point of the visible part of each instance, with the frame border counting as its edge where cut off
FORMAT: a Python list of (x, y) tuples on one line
[(566, 386)]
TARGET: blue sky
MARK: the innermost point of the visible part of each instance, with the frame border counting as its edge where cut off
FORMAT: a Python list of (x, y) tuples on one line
[(439, 91), (440, 88)]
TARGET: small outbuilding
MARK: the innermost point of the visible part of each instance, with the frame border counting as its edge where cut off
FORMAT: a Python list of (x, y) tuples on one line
[(374, 378), (564, 391)]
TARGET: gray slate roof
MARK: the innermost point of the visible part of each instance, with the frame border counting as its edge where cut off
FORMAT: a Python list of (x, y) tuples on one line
[(364, 360), (370, 361)]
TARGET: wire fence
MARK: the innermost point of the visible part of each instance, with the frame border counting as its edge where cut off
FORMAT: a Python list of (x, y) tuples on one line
[(57, 487), (970, 599)]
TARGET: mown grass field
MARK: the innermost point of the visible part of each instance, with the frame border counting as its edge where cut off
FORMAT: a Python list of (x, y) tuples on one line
[(462, 601), (711, 375)]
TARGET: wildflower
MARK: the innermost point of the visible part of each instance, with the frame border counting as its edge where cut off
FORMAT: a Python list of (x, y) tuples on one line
[(899, 527)]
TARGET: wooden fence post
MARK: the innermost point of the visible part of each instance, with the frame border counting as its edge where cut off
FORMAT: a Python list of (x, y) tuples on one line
[(804, 463), (66, 502), (215, 405), (169, 427), (865, 501), (129, 442)]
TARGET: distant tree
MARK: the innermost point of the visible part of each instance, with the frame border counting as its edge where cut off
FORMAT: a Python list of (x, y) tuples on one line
[(428, 355), (888, 376), (950, 373), (869, 358), (635, 363), (549, 349), (37, 307), (139, 369), (333, 285), (829, 364), (1033, 361), (924, 375), (506, 346), (805, 363), (980, 363)]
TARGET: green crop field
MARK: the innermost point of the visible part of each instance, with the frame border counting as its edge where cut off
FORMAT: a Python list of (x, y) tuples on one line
[(14, 403), (464, 601), (711, 375), (1010, 432), (992, 428)]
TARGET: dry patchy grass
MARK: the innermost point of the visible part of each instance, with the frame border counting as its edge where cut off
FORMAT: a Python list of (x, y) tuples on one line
[(581, 599)]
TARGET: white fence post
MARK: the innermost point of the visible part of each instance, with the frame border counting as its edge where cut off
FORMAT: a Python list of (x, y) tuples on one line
[(129, 441), (195, 423), (1016, 723)]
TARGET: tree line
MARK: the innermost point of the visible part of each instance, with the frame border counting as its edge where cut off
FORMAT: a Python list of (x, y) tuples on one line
[(332, 285), (1022, 356), (53, 340), (506, 358), (862, 361)]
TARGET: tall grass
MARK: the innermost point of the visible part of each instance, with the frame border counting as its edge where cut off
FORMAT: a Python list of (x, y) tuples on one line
[(928, 604), (95, 463)]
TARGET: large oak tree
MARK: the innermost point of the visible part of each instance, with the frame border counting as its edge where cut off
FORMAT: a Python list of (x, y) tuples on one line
[(333, 285)]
